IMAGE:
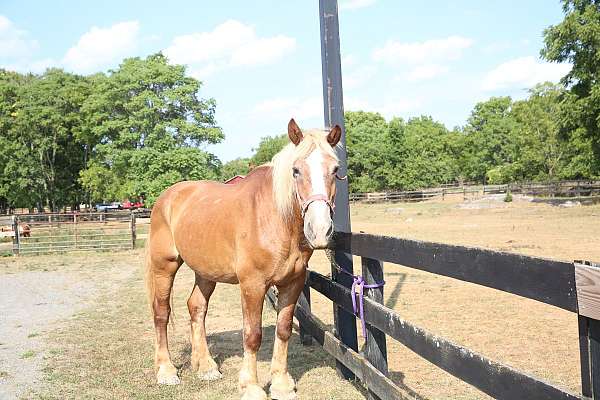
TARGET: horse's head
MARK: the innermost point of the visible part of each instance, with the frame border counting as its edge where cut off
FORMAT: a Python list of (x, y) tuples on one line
[(314, 174)]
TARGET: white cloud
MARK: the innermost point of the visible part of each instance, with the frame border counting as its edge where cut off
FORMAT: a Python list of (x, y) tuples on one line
[(425, 72), (231, 43), (355, 4), (348, 60), (523, 72), (99, 47), (430, 51), (286, 108), (14, 42), (359, 76)]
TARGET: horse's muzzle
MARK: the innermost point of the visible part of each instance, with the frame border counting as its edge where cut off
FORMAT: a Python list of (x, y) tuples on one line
[(318, 226)]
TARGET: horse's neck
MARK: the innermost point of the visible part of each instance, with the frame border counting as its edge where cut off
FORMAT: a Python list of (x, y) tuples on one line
[(292, 224)]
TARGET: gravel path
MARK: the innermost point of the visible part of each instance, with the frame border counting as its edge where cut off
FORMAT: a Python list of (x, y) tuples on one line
[(30, 303)]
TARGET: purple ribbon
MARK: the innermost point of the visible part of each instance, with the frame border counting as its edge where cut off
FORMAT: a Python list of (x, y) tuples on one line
[(359, 281)]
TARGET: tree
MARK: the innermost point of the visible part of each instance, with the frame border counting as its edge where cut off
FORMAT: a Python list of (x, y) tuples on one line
[(487, 140), (145, 125), (577, 40), (41, 135), (238, 166), (267, 148), (541, 149), (422, 154), (366, 143)]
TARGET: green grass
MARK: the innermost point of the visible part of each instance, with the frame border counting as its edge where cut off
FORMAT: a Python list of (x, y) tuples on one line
[(28, 354)]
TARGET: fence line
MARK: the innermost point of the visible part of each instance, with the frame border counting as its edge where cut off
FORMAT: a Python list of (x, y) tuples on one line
[(574, 287), (552, 189), (59, 233)]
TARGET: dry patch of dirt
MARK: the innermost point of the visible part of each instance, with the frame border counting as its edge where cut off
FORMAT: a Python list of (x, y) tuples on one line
[(101, 347)]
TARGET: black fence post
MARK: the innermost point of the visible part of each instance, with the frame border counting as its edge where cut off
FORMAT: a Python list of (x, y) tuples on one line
[(304, 302), (345, 322), (375, 344), (587, 283), (584, 356)]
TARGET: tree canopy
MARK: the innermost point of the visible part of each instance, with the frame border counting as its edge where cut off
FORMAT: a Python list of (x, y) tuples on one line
[(67, 139)]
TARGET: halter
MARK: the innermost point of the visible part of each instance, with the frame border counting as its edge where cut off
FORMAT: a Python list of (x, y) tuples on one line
[(316, 197)]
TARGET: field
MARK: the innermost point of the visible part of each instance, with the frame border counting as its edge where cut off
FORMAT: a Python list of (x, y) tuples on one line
[(530, 336), (79, 326)]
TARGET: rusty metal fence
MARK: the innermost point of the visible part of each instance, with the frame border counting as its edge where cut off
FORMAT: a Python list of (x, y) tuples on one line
[(59, 233)]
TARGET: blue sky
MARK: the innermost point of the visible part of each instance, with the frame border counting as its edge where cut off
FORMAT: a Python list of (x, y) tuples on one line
[(260, 60)]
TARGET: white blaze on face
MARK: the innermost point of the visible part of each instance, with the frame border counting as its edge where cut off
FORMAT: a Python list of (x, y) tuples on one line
[(315, 164), (317, 220)]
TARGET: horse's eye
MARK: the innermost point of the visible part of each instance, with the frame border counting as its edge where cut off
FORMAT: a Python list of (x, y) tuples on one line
[(295, 172), (335, 170)]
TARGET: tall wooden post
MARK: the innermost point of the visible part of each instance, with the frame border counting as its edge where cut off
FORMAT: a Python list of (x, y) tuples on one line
[(345, 322), (16, 240), (132, 226)]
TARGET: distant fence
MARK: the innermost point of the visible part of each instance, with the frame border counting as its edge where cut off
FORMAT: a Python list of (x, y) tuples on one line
[(553, 189), (574, 287), (59, 233)]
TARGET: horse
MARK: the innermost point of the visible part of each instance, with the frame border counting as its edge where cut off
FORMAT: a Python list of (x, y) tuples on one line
[(258, 233)]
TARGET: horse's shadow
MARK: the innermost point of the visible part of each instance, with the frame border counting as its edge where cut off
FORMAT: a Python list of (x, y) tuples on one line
[(301, 359), (228, 344)]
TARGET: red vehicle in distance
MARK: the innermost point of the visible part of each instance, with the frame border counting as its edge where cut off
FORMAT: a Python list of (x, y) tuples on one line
[(128, 205)]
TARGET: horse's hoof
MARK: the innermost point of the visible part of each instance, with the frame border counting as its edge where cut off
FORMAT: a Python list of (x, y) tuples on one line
[(210, 375), (254, 392), (278, 395), (168, 380), (282, 387), (167, 376)]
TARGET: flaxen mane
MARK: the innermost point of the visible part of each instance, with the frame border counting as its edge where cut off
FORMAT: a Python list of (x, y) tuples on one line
[(284, 189)]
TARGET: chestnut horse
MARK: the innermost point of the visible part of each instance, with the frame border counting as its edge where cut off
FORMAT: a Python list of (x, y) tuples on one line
[(259, 233)]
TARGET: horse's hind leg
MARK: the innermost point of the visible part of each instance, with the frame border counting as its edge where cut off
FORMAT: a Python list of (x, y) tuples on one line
[(160, 278), (202, 362)]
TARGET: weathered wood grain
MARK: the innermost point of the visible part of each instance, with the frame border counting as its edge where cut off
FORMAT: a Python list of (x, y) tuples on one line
[(587, 278)]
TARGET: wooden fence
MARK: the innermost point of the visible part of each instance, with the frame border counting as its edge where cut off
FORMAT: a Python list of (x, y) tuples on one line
[(574, 287), (59, 233), (553, 189)]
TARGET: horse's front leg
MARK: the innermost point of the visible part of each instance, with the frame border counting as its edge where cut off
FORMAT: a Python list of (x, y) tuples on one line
[(253, 295), (282, 384)]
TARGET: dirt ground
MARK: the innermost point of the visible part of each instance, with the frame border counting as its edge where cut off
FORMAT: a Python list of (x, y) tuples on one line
[(539, 339), (77, 326)]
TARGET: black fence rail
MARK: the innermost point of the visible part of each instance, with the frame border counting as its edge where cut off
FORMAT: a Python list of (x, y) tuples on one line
[(574, 287), (552, 189)]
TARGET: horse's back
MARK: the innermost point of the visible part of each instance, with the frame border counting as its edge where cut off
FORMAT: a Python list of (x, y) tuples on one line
[(203, 221)]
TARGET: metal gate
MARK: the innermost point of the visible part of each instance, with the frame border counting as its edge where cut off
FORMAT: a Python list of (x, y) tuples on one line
[(59, 233)]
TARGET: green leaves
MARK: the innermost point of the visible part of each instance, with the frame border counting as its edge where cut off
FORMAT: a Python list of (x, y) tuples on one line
[(148, 123), (577, 40), (68, 139)]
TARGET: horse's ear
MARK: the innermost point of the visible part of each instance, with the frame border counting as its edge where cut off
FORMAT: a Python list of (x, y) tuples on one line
[(294, 132), (334, 135)]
